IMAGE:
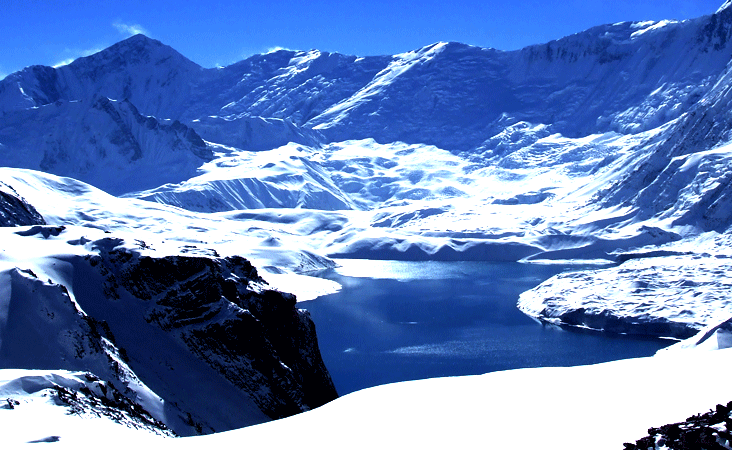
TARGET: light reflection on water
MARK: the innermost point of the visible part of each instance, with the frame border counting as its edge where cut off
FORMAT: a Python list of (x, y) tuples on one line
[(437, 270), (396, 321)]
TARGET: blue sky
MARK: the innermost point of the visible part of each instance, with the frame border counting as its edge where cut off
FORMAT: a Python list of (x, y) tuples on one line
[(222, 32)]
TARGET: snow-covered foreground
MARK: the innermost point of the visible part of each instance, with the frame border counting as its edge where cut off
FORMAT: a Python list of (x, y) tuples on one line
[(596, 407), (32, 412), (599, 407)]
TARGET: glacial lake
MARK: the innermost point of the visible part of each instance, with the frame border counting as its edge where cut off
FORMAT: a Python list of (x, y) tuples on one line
[(396, 321)]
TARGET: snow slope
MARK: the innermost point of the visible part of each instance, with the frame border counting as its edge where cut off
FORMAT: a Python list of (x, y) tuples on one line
[(599, 406)]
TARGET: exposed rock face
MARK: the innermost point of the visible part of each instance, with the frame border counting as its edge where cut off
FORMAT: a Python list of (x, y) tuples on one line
[(14, 211), (220, 312), (712, 430), (195, 341)]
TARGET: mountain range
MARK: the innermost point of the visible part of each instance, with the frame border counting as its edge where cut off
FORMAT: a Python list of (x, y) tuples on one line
[(625, 78), (135, 182)]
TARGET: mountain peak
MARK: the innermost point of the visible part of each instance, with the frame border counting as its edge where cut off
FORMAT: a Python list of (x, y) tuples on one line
[(727, 4), (137, 42), (136, 48)]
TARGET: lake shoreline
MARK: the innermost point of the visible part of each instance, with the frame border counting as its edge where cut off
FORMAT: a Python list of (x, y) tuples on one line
[(398, 321)]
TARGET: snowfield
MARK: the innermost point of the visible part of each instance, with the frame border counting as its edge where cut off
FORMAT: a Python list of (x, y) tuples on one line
[(669, 295), (599, 406), (291, 208)]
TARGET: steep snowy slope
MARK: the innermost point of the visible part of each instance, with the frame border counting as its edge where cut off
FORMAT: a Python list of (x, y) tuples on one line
[(44, 328), (685, 175), (153, 76), (287, 177), (622, 77), (105, 142), (287, 84)]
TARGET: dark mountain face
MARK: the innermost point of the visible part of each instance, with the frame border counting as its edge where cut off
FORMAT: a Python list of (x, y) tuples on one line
[(254, 339), (15, 211)]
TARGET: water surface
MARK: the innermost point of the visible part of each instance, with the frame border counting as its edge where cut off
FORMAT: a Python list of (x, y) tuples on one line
[(396, 321)]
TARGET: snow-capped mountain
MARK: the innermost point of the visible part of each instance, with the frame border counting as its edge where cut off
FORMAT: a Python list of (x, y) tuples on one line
[(626, 77), (610, 147), (153, 76), (611, 139)]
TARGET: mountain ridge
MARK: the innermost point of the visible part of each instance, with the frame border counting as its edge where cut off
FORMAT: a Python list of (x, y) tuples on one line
[(453, 96)]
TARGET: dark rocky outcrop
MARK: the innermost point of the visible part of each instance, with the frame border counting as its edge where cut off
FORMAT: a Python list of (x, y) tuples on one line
[(15, 211), (220, 311), (197, 340), (711, 430)]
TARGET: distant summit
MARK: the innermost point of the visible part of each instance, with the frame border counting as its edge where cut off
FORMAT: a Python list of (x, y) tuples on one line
[(135, 50)]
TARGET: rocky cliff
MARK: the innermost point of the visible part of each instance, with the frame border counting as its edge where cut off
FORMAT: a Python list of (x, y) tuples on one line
[(201, 334), (15, 211)]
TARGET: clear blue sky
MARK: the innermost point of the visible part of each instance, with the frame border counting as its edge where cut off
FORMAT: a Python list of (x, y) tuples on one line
[(222, 32)]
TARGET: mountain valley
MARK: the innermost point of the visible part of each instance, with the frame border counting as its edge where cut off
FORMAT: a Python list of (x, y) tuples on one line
[(156, 214)]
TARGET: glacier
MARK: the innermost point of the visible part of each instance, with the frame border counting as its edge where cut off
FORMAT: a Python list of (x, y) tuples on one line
[(610, 148)]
